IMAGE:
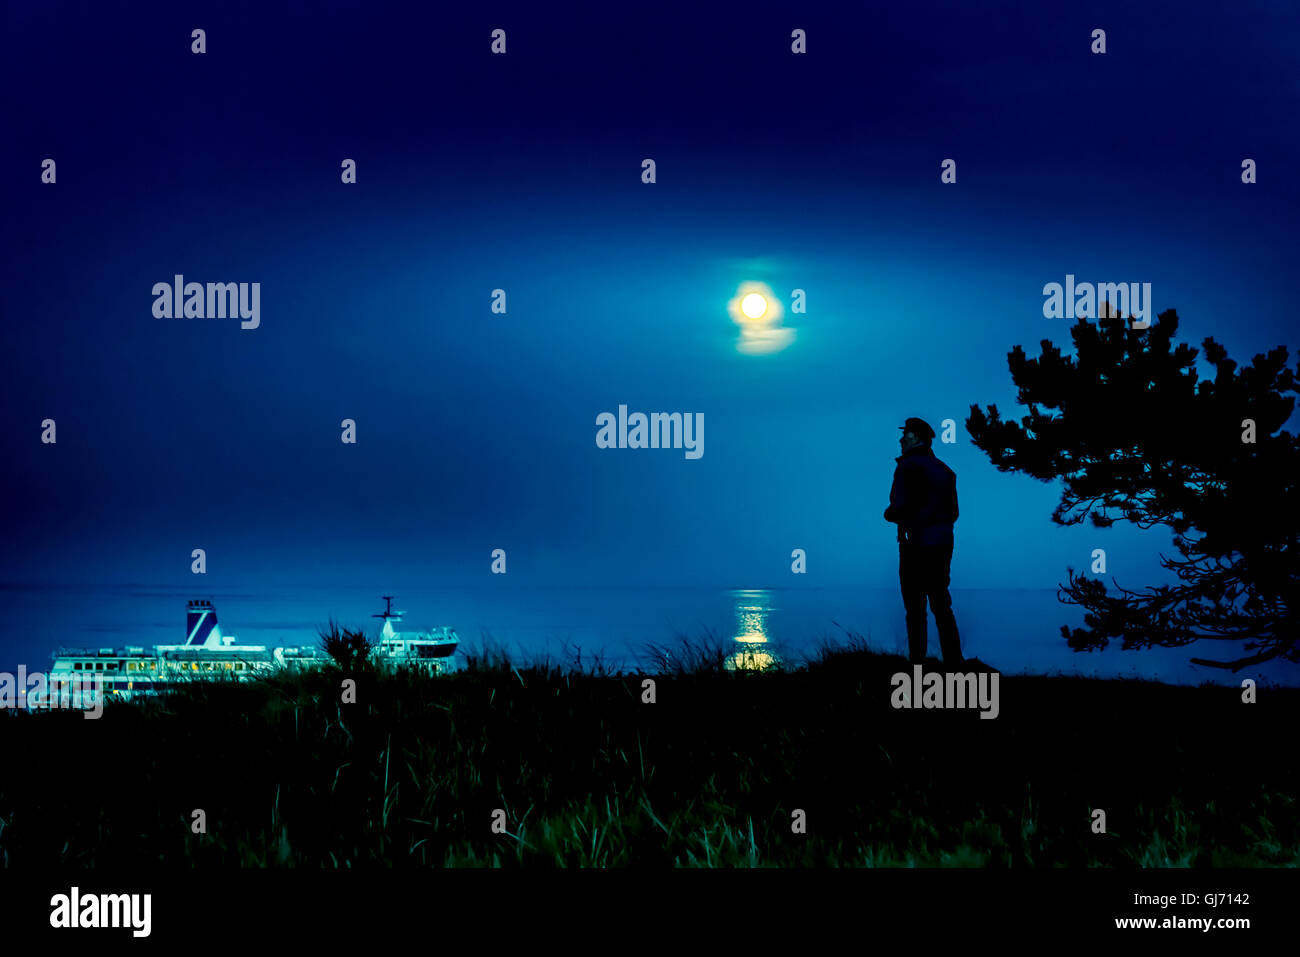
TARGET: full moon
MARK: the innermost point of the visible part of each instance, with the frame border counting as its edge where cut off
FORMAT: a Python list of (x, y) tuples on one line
[(753, 305)]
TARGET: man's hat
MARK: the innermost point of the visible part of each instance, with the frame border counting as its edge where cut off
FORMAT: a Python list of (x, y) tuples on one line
[(918, 427)]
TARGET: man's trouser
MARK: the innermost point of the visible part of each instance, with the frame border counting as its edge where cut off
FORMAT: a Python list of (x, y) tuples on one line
[(923, 573)]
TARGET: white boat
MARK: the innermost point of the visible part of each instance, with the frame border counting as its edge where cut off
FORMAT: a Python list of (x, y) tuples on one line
[(79, 675), (431, 651)]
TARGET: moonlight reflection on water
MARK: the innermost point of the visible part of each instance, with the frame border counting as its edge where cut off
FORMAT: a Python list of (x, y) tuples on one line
[(752, 606)]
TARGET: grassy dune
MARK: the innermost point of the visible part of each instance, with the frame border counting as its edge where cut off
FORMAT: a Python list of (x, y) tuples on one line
[(709, 775)]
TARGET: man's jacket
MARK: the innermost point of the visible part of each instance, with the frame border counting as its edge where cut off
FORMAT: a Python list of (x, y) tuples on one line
[(923, 499)]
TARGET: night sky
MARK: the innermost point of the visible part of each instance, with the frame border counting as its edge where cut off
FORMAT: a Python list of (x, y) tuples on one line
[(477, 430)]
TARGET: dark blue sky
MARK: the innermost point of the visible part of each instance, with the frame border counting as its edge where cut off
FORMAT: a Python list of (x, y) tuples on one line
[(477, 431)]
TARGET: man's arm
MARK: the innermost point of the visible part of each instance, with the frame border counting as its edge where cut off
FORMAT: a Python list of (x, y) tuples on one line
[(899, 501)]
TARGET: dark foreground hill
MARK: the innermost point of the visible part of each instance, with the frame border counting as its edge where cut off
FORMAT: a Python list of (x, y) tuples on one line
[(580, 771)]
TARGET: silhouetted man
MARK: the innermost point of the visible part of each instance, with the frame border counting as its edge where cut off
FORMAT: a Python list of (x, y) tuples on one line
[(923, 501)]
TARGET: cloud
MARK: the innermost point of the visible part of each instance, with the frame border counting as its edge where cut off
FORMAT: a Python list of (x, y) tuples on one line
[(763, 341)]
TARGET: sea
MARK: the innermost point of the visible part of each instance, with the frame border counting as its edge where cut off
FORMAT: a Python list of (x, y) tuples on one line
[(1015, 631)]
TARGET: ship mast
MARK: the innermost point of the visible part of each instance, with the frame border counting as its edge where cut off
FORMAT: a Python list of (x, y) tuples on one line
[(388, 614)]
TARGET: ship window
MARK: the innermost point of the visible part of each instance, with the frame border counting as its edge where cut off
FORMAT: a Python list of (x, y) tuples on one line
[(239, 666), (229, 666), (76, 666), (194, 666), (111, 666), (130, 666), (99, 666), (436, 651)]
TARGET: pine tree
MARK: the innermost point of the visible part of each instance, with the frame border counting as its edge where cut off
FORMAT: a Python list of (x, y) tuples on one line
[(1137, 436)]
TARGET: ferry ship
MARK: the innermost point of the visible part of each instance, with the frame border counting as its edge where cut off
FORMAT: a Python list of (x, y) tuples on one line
[(78, 675)]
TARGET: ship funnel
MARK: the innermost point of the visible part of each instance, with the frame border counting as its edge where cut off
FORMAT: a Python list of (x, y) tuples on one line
[(201, 628)]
